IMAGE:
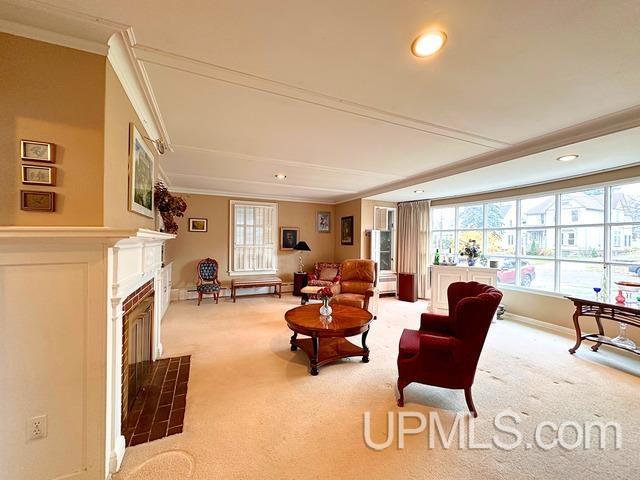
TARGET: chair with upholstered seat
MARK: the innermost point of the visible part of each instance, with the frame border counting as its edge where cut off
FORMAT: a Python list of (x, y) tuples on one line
[(357, 283), (208, 282), (446, 349)]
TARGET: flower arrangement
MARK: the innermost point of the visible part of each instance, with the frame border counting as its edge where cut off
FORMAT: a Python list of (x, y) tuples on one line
[(169, 206), (471, 251), (325, 294)]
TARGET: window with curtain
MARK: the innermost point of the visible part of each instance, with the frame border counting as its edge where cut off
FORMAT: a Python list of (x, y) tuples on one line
[(564, 241), (253, 246)]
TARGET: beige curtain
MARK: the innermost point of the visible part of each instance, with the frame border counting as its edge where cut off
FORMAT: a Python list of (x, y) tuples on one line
[(413, 242)]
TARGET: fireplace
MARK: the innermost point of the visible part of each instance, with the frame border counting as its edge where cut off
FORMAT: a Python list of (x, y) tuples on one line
[(137, 346)]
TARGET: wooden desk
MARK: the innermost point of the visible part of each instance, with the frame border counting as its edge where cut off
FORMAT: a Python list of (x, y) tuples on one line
[(255, 282), (617, 312)]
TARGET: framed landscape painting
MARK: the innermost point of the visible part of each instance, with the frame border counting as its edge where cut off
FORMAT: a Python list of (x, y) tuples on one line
[(141, 164), (198, 224), (346, 231)]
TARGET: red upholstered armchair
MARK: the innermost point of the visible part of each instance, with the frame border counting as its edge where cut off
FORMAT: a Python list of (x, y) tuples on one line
[(446, 349)]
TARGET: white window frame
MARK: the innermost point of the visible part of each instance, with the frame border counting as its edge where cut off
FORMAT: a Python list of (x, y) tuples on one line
[(521, 226), (232, 233)]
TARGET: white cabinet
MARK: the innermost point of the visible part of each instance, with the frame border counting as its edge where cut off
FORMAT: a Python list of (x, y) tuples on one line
[(443, 276)]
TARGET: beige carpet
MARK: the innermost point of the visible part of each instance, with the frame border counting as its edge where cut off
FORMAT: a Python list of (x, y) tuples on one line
[(253, 411)]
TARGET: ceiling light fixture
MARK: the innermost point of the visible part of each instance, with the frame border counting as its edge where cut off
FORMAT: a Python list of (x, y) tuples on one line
[(418, 191), (280, 176), (567, 158), (428, 43)]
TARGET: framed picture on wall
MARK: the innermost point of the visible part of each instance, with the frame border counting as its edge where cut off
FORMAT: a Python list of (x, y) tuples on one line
[(37, 201), (37, 151), (141, 163), (346, 230), (35, 175), (198, 224), (288, 237), (323, 222)]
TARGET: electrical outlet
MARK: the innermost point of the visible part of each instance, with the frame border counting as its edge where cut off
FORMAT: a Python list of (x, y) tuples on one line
[(37, 427)]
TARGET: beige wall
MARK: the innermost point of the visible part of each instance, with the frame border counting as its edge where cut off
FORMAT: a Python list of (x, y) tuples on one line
[(352, 208), (367, 219), (52, 94), (547, 308), (190, 247), (118, 114)]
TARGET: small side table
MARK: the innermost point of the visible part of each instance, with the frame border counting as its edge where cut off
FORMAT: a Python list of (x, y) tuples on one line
[(299, 282)]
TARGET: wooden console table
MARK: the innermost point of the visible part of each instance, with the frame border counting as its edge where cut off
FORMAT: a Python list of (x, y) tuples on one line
[(627, 314), (254, 282)]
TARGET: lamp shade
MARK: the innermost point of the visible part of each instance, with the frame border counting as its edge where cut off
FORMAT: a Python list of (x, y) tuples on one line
[(302, 246)]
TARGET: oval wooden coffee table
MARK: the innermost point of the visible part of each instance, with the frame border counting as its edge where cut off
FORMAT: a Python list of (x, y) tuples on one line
[(328, 341)]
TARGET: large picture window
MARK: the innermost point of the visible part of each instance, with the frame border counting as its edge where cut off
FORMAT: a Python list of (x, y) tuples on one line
[(253, 231), (555, 242)]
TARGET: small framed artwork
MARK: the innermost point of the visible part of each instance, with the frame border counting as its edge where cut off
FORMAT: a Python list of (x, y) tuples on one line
[(346, 230), (141, 163), (323, 222), (288, 237), (37, 151), (198, 224), (37, 201), (34, 175)]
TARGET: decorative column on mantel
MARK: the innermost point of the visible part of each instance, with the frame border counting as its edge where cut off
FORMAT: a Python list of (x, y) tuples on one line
[(83, 274)]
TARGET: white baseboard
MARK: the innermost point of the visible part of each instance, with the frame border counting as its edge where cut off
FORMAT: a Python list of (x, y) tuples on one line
[(179, 294), (116, 457), (567, 332)]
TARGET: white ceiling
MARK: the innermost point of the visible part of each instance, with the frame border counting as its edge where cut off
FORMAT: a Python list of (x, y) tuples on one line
[(329, 94), (603, 153)]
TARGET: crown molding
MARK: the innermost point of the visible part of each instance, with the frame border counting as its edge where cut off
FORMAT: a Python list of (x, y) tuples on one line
[(48, 36), (222, 193), (598, 127), (264, 85)]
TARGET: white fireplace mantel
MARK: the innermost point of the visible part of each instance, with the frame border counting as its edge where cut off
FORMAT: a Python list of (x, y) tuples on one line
[(75, 278)]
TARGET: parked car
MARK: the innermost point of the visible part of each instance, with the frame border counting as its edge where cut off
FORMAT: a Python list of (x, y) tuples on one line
[(507, 273)]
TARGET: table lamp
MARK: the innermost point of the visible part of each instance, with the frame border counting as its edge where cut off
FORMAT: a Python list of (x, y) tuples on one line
[(301, 247)]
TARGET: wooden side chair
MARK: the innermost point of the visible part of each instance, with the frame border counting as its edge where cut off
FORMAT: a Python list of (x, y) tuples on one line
[(208, 279)]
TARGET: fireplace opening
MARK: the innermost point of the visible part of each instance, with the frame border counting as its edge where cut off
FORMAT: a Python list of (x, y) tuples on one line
[(137, 345)]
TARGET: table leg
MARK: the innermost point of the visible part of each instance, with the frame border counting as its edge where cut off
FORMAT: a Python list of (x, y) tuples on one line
[(233, 294), (365, 357), (279, 288), (600, 332), (294, 347), (576, 324), (314, 358)]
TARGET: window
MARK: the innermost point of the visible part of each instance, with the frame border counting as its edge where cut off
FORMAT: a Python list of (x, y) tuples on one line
[(384, 219), (253, 248), (557, 242)]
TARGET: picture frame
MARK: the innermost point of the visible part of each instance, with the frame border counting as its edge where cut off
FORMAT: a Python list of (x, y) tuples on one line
[(34, 151), (198, 225), (141, 174), (38, 175), (289, 237), (346, 230), (323, 222), (36, 201)]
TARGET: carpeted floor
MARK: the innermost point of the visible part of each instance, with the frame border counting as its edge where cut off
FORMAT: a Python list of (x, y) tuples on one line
[(254, 412)]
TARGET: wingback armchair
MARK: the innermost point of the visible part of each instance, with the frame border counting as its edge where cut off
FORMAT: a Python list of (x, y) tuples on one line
[(357, 283), (208, 279), (444, 352)]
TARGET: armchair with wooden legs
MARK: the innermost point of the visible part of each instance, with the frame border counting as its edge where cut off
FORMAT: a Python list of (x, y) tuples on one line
[(445, 351), (357, 283)]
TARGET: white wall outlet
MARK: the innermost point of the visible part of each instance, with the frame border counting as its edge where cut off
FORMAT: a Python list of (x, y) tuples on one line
[(37, 427)]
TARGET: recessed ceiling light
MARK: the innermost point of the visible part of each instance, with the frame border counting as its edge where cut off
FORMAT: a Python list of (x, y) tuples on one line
[(428, 43), (567, 158), (418, 191), (280, 176)]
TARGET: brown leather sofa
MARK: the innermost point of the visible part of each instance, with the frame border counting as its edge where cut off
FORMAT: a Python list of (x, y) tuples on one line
[(357, 283)]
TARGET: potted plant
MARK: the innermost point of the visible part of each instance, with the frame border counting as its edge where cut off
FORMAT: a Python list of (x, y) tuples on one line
[(471, 251), (169, 206)]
